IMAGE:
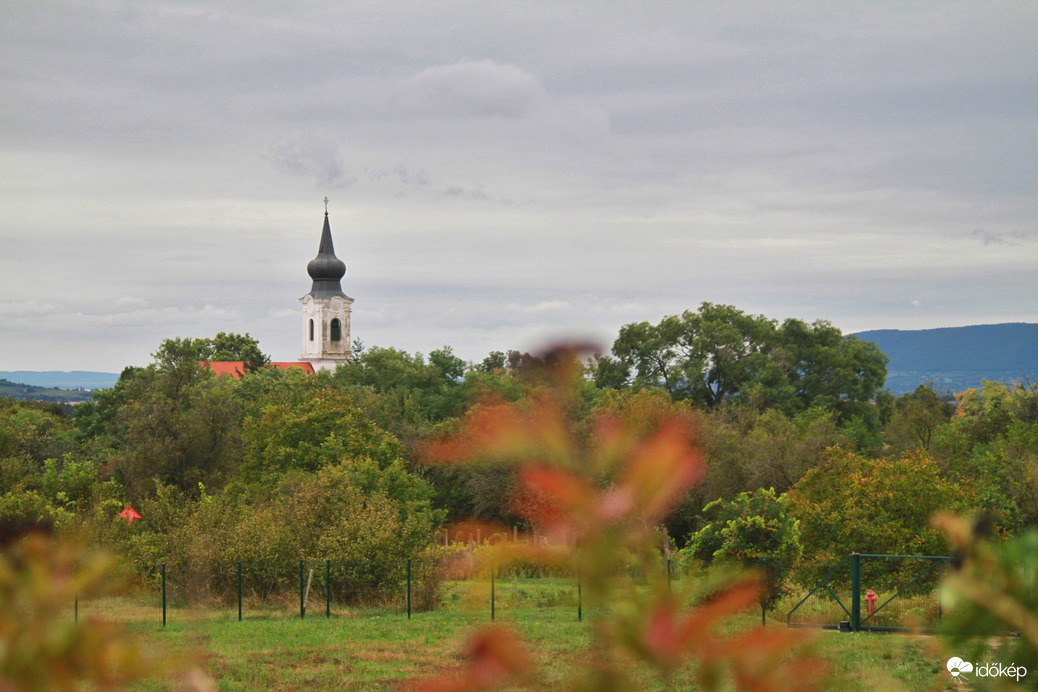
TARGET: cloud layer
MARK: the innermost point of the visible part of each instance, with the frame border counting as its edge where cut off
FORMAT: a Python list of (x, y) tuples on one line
[(503, 173)]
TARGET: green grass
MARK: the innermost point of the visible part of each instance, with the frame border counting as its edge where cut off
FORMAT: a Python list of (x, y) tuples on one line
[(380, 648), (377, 652), (366, 652)]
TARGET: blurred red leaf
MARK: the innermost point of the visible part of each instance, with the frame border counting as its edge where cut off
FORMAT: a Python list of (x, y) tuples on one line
[(495, 657), (563, 498), (663, 469), (495, 431)]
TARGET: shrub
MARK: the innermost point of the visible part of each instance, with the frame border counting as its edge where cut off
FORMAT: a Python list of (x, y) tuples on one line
[(755, 530), (880, 506)]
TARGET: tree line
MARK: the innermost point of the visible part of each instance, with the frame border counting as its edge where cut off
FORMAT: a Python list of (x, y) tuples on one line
[(795, 429)]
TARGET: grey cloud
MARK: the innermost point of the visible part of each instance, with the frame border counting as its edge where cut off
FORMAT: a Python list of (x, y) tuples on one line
[(403, 179), (474, 89), (1005, 238), (402, 173), (315, 158), (791, 160), (464, 193)]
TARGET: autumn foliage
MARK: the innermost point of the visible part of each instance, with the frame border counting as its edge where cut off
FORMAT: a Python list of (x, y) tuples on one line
[(600, 499), (42, 647)]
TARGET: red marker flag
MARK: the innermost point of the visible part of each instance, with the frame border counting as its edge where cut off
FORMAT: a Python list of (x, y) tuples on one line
[(129, 514)]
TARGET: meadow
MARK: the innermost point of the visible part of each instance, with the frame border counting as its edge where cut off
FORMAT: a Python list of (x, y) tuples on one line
[(376, 648), (388, 651)]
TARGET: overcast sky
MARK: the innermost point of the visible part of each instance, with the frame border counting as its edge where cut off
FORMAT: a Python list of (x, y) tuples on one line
[(502, 173)]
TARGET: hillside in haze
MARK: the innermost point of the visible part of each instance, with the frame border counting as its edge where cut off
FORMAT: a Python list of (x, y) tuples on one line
[(76, 379), (17, 390), (958, 358)]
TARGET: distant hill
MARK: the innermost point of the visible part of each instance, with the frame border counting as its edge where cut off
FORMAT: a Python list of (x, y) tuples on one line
[(77, 379), (958, 358), (17, 390)]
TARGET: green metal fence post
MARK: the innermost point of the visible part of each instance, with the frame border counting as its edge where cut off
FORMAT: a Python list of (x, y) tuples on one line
[(408, 588), (492, 599), (239, 590), (580, 602), (75, 612), (302, 603), (163, 594), (855, 591), (763, 562), (327, 588), (940, 579), (668, 574)]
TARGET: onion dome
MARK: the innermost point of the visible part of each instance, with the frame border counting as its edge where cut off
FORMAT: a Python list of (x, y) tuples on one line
[(326, 269)]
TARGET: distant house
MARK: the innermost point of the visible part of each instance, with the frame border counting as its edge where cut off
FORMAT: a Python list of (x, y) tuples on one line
[(236, 368)]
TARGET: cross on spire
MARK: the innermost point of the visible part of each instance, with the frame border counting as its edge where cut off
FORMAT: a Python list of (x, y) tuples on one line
[(326, 206)]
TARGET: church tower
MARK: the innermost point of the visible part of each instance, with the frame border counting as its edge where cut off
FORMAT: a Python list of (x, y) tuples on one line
[(326, 309)]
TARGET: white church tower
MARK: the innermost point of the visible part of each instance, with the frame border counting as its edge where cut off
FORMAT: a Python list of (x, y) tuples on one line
[(326, 309)]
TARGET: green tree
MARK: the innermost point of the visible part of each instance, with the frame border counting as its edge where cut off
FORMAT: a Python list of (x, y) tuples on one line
[(915, 419), (608, 372), (747, 449), (99, 419), (234, 347), (883, 506), (756, 530), (704, 356), (180, 362), (991, 442), (32, 435), (434, 386), (828, 369), (183, 440), (719, 353), (986, 413), (34, 430), (1004, 470), (180, 354), (374, 517), (495, 360), (178, 423), (324, 430)]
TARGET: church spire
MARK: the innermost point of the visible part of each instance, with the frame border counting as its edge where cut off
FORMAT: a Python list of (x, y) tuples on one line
[(326, 269), (326, 309)]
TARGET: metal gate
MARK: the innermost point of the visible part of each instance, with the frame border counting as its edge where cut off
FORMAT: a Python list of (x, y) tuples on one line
[(910, 600)]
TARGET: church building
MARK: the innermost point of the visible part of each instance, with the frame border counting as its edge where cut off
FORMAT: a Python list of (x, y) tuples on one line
[(326, 309), (326, 316)]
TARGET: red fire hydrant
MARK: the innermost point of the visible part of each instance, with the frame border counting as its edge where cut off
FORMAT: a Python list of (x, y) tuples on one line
[(871, 598)]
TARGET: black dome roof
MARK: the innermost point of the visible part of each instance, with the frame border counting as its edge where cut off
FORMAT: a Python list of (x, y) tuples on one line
[(326, 269)]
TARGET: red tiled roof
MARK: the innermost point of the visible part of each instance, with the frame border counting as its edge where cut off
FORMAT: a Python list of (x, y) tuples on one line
[(235, 368), (307, 366)]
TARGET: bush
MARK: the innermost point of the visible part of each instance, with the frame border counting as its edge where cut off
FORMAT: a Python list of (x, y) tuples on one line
[(880, 506), (754, 530), (365, 520)]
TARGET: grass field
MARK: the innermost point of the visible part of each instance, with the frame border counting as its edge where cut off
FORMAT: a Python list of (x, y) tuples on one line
[(380, 650)]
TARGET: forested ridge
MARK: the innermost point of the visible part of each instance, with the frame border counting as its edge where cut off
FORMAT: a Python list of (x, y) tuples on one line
[(953, 359), (792, 420)]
